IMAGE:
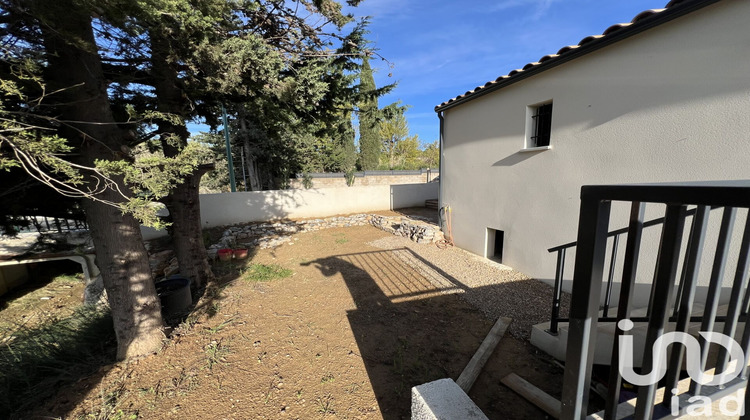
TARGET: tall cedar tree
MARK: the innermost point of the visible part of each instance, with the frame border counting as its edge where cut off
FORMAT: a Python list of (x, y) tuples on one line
[(74, 68), (369, 139), (158, 67)]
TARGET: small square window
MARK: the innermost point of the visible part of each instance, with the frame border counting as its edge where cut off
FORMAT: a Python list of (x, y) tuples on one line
[(539, 125)]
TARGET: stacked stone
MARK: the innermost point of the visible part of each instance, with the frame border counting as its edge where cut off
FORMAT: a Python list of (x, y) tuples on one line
[(383, 223), (419, 232), (270, 235)]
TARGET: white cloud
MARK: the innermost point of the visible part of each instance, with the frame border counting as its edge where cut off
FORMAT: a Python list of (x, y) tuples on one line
[(540, 7), (381, 9)]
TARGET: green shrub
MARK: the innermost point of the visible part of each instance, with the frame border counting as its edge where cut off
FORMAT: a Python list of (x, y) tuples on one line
[(307, 181)]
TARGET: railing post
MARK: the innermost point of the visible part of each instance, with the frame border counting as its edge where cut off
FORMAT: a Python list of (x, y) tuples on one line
[(714, 287), (593, 224), (686, 294), (629, 269), (557, 291), (666, 270), (738, 287)]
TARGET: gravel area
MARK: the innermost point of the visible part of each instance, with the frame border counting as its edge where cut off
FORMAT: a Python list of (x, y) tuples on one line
[(495, 289)]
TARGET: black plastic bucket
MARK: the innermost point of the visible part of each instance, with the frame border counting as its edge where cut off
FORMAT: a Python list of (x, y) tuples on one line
[(175, 296)]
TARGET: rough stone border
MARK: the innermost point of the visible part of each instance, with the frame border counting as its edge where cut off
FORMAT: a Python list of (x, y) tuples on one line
[(274, 234)]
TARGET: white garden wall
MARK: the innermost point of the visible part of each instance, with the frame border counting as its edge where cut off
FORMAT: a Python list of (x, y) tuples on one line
[(241, 207)]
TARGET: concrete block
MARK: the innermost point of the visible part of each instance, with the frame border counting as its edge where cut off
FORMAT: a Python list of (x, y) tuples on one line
[(443, 400)]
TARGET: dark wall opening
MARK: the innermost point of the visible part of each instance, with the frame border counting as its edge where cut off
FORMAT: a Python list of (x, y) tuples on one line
[(495, 240)]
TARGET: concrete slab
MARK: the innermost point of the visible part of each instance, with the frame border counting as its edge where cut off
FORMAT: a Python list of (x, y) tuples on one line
[(443, 400), (556, 346)]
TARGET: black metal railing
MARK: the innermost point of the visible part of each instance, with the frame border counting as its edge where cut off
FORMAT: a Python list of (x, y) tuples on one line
[(672, 296), (555, 318), (43, 224)]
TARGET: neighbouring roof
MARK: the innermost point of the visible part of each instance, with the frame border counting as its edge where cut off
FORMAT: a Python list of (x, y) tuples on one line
[(643, 21)]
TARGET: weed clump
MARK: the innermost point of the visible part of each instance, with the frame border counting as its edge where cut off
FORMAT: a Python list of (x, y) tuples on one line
[(36, 362), (257, 273)]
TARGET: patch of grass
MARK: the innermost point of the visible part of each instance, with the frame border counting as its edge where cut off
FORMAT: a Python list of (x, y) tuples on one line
[(398, 365), (327, 378), (68, 278), (257, 273), (351, 389), (213, 309), (186, 326), (108, 409), (342, 241), (180, 385), (325, 404), (215, 354), (36, 362), (400, 389), (221, 326)]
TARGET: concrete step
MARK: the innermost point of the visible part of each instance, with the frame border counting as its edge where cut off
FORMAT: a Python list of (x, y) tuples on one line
[(556, 345)]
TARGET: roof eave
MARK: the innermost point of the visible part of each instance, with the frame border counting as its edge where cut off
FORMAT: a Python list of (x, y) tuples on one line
[(591, 46)]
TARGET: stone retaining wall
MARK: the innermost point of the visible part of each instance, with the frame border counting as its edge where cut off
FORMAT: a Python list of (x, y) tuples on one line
[(270, 235), (418, 231)]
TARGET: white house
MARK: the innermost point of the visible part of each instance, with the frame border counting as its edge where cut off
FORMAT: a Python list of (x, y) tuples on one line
[(663, 98)]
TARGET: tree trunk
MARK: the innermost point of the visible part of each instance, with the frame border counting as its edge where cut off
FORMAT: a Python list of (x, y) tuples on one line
[(183, 204), (183, 201), (250, 165), (392, 153), (74, 65), (123, 262)]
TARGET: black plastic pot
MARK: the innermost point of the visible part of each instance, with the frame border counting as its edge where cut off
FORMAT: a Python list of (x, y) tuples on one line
[(175, 296)]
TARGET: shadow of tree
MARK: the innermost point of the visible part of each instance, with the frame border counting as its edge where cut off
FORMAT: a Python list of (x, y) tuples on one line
[(37, 362), (412, 330)]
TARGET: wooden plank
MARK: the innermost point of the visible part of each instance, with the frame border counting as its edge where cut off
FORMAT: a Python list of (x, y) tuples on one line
[(477, 362), (535, 395)]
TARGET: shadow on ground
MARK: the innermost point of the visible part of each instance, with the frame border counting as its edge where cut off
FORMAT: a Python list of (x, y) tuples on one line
[(411, 330)]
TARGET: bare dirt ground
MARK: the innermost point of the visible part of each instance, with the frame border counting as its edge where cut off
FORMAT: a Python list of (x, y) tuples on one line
[(39, 302), (346, 335)]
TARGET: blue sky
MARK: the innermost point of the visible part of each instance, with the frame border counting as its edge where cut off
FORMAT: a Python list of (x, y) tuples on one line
[(440, 49)]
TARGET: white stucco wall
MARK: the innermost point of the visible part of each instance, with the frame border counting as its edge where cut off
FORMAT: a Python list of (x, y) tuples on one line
[(242, 207), (669, 104)]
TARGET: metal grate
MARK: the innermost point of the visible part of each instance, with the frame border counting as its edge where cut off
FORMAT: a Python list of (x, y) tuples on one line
[(542, 123)]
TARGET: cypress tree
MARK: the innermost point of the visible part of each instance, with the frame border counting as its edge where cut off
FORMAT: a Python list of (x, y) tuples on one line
[(369, 141)]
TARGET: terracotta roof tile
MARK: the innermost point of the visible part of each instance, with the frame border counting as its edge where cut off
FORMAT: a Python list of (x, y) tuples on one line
[(563, 53), (547, 57), (615, 27)]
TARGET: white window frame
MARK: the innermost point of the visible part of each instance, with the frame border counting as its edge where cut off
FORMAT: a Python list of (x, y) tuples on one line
[(531, 128)]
